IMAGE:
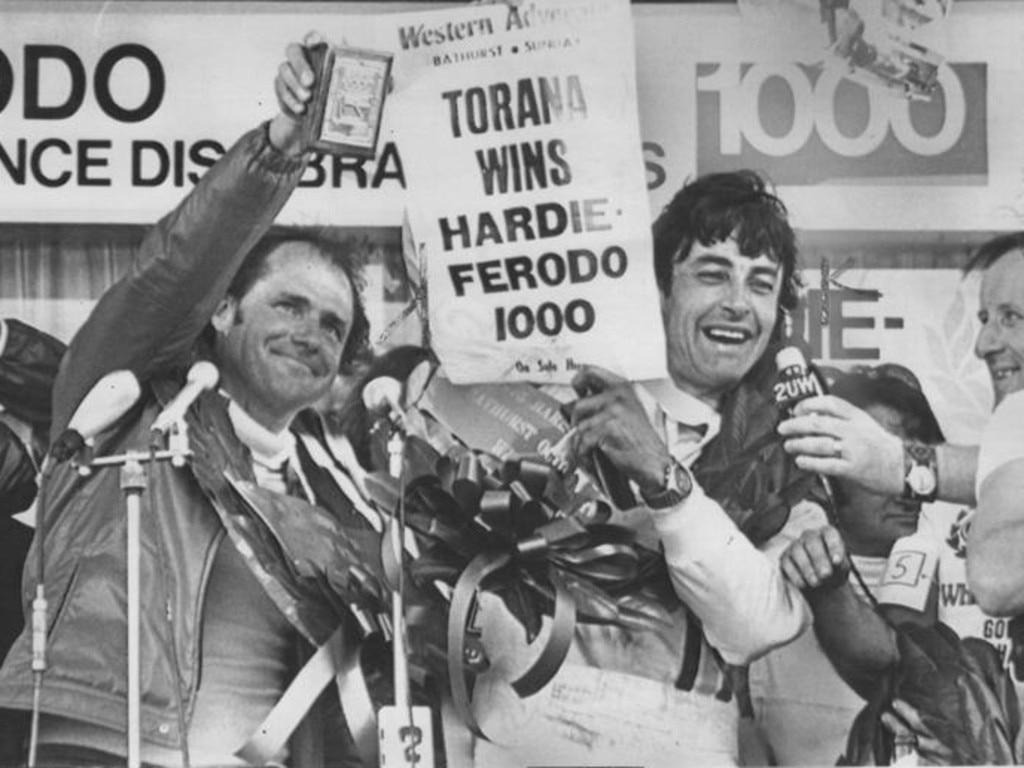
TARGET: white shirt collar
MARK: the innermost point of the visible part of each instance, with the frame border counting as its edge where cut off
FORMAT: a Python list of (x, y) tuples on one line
[(682, 407), (268, 448)]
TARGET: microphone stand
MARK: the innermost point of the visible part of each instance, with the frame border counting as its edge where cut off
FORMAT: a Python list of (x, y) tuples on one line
[(406, 733), (134, 481), (39, 609), (403, 701)]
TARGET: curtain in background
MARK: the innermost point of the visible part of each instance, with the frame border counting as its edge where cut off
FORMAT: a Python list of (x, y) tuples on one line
[(52, 274)]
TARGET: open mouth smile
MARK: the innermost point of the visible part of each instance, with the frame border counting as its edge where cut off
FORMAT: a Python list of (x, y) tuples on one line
[(726, 335)]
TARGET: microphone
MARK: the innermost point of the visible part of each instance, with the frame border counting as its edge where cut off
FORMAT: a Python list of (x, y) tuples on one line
[(796, 381), (201, 377), (110, 399), (383, 395)]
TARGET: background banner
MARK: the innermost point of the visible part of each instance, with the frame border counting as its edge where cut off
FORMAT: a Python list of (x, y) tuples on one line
[(109, 111)]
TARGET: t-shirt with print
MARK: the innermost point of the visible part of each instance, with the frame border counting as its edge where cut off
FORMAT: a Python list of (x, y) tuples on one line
[(938, 551)]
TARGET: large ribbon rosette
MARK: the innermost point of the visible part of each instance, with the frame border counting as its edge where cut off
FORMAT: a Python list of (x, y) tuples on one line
[(493, 506)]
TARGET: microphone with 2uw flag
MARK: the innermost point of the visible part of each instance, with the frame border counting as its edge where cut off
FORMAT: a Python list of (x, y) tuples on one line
[(796, 382)]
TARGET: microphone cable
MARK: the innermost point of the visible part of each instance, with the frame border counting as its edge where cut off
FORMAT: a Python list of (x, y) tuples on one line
[(39, 618)]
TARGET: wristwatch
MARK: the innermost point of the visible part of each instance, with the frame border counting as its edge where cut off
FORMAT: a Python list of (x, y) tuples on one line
[(921, 475), (675, 487)]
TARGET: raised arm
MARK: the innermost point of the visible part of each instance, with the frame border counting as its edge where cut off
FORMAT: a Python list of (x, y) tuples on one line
[(149, 319)]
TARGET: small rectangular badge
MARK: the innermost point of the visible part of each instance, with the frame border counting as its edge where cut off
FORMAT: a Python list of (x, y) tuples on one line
[(405, 744), (348, 99)]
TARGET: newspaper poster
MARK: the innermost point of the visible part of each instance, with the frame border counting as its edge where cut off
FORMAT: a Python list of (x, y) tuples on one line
[(526, 189)]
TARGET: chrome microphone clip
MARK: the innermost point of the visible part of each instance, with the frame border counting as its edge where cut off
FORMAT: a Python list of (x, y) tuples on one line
[(170, 422)]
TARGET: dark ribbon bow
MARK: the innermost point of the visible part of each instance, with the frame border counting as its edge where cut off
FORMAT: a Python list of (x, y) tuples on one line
[(516, 529)]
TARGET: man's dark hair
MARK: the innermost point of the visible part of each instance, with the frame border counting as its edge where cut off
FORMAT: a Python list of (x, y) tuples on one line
[(338, 255), (867, 389), (717, 206), (991, 251)]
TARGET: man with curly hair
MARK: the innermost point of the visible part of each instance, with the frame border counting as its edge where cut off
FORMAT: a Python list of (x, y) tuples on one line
[(698, 449)]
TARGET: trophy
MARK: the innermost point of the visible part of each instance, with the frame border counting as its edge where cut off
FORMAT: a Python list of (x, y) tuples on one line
[(348, 99)]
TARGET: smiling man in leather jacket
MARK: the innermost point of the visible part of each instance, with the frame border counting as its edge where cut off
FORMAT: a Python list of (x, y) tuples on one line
[(242, 561)]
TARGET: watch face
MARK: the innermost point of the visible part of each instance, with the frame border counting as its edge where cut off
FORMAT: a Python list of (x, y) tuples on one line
[(681, 480), (921, 480), (678, 487)]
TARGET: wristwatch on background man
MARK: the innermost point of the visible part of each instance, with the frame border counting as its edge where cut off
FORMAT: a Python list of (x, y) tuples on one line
[(920, 472), (676, 485)]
